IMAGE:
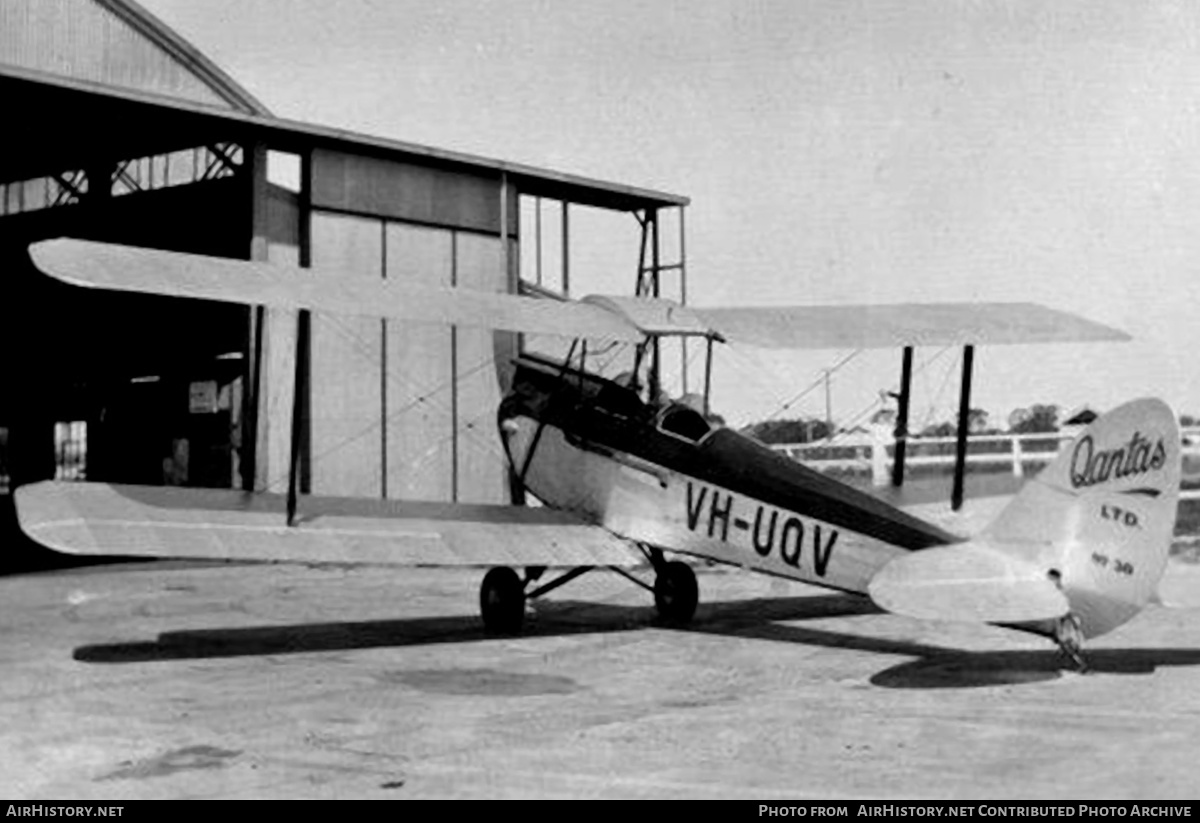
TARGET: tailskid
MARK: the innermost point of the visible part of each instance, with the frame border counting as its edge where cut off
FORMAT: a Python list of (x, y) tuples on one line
[(1068, 634)]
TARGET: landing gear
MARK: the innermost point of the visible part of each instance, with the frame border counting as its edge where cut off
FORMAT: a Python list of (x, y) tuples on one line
[(675, 592), (1069, 636), (503, 593), (502, 601)]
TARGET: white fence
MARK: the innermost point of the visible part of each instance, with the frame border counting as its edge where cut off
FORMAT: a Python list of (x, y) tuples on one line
[(1019, 453)]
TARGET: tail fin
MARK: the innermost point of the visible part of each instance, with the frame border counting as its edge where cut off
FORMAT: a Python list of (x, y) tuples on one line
[(1104, 513), (1097, 524)]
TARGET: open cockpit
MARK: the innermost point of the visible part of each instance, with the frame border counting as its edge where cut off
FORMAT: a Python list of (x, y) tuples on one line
[(553, 391)]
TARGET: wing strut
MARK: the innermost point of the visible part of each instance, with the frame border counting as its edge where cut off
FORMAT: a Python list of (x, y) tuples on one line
[(708, 358), (902, 401), (964, 412)]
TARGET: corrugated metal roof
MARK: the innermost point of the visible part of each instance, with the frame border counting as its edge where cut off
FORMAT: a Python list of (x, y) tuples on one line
[(116, 43), (183, 51), (124, 123)]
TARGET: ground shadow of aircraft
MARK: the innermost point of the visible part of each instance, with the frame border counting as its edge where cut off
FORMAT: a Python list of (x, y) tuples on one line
[(554, 618), (770, 619), (961, 669)]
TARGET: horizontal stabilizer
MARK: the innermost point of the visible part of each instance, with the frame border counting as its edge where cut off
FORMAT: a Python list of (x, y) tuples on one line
[(1180, 587), (148, 271), (969, 581), (152, 521), (1090, 535), (907, 324)]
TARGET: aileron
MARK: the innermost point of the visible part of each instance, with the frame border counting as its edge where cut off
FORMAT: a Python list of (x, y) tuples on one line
[(900, 325)]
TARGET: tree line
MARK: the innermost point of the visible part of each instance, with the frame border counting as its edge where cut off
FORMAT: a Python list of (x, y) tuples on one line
[(1038, 418)]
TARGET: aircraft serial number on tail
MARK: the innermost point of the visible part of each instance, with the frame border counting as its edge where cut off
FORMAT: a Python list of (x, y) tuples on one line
[(721, 515), (1119, 566)]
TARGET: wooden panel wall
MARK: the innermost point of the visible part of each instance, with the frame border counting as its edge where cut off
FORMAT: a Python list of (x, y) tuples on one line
[(417, 194), (402, 410), (347, 436), (481, 464), (420, 382), (277, 381)]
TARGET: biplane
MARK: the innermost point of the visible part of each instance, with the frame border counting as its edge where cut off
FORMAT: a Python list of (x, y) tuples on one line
[(627, 476)]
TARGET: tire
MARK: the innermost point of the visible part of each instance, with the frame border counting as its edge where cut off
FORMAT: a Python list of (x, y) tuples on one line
[(676, 593), (502, 601)]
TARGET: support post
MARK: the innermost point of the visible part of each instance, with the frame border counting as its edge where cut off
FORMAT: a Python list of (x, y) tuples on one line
[(383, 371), (655, 262), (656, 362), (299, 410), (902, 403), (511, 277), (299, 464), (640, 281), (964, 413), (537, 230), (257, 190), (566, 250), (252, 396), (683, 298)]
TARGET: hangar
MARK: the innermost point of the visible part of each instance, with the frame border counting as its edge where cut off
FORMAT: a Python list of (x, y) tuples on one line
[(121, 131)]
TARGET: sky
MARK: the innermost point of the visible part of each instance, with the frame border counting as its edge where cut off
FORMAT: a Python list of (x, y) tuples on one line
[(848, 151)]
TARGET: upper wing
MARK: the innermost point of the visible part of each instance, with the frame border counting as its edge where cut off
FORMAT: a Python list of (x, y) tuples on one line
[(151, 521), (908, 324), (128, 268), (148, 271)]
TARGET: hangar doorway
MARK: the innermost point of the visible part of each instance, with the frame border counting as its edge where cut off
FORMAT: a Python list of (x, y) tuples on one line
[(116, 387)]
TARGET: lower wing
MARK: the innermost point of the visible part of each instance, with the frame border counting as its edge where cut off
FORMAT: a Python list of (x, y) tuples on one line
[(152, 521)]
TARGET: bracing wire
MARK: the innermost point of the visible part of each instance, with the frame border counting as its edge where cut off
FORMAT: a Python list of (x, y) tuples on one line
[(816, 384), (879, 402), (931, 410), (422, 395), (434, 396)]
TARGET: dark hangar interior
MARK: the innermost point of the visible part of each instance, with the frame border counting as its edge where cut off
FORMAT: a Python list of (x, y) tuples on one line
[(121, 131)]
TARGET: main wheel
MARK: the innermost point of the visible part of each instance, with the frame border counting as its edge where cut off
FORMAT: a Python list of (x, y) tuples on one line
[(502, 601), (675, 592)]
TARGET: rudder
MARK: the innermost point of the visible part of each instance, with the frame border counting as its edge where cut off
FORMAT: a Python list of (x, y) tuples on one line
[(1102, 514)]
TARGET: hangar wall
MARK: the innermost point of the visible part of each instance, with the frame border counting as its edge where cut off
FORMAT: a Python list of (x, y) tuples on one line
[(396, 410), (173, 154)]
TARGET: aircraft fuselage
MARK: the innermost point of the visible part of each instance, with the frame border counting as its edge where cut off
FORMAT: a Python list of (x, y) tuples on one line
[(665, 478)]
